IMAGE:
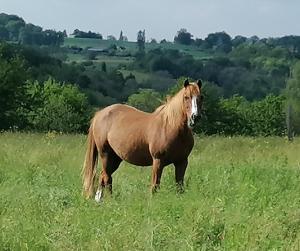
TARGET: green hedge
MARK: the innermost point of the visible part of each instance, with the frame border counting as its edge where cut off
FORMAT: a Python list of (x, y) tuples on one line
[(52, 106)]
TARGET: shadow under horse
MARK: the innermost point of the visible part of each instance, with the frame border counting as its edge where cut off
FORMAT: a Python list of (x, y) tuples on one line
[(120, 132)]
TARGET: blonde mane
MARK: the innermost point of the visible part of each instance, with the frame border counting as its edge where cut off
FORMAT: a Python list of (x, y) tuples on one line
[(173, 111)]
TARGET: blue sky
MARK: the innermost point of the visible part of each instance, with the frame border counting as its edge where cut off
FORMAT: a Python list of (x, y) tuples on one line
[(162, 18)]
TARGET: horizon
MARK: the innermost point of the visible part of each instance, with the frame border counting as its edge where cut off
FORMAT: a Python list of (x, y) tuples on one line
[(264, 18)]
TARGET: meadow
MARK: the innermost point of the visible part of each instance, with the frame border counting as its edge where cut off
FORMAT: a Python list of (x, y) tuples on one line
[(241, 194)]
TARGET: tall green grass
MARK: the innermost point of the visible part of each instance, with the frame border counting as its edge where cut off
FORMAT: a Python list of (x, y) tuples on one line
[(241, 194)]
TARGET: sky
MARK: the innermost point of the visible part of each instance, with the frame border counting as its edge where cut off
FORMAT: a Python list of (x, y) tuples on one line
[(162, 18)]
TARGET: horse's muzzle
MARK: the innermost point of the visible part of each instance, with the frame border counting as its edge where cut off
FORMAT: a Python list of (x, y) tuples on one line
[(191, 120)]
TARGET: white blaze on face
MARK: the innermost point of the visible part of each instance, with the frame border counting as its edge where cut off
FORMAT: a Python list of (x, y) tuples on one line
[(194, 111), (194, 106)]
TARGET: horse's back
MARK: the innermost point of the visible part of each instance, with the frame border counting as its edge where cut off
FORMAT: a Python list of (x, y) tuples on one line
[(124, 129)]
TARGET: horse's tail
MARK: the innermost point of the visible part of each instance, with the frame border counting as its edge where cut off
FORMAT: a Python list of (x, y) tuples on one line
[(90, 164)]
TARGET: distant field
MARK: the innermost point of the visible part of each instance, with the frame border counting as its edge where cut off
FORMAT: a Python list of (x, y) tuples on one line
[(132, 46), (241, 194), (112, 62), (97, 43)]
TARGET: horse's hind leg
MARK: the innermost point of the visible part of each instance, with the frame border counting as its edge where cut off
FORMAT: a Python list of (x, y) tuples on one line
[(110, 163)]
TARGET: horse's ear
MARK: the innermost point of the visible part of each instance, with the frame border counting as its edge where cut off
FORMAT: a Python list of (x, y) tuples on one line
[(186, 83), (199, 83)]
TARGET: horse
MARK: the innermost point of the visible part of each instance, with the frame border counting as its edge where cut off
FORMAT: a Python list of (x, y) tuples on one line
[(120, 132)]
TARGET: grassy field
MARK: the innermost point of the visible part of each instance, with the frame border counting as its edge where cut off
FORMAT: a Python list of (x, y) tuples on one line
[(241, 194)]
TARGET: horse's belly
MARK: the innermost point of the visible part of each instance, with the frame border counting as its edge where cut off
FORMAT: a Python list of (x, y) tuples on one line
[(136, 154), (139, 158)]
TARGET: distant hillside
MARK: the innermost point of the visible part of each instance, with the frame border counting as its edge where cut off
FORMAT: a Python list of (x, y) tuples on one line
[(15, 29), (131, 47)]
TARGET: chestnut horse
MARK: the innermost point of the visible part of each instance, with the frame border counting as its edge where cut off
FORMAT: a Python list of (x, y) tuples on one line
[(120, 132)]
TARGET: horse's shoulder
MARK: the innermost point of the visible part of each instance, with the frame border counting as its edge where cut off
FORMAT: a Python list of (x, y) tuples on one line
[(171, 142)]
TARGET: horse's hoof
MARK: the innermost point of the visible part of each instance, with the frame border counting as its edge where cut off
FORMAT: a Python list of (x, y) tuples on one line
[(98, 196)]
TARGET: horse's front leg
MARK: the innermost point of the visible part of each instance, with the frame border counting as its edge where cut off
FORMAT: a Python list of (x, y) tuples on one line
[(157, 169), (180, 168)]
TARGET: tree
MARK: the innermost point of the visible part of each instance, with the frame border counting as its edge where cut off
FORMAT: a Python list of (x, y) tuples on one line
[(146, 100), (292, 43), (293, 97), (266, 117), (253, 40), (103, 67), (51, 37), (141, 39), (65, 34), (4, 34), (198, 42), (111, 38), (55, 106), (183, 37), (219, 41), (153, 41), (12, 79), (34, 35), (81, 34), (163, 63), (14, 27), (121, 37), (238, 40)]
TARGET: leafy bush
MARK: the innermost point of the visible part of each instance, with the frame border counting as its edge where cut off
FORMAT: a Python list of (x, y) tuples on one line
[(237, 116), (266, 117), (55, 106), (146, 100)]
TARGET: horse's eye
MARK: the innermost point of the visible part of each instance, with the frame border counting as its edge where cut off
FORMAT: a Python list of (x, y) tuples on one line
[(186, 97)]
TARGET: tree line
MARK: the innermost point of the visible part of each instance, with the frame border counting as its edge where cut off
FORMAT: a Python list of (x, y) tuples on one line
[(33, 100), (82, 34), (223, 42), (15, 29)]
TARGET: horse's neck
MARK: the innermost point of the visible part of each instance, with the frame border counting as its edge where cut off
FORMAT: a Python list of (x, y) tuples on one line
[(173, 115)]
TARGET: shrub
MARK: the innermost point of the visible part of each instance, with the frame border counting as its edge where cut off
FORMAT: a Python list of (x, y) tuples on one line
[(237, 116), (146, 100), (55, 106)]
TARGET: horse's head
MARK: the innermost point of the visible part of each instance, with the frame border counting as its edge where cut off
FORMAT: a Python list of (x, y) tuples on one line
[(193, 99)]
